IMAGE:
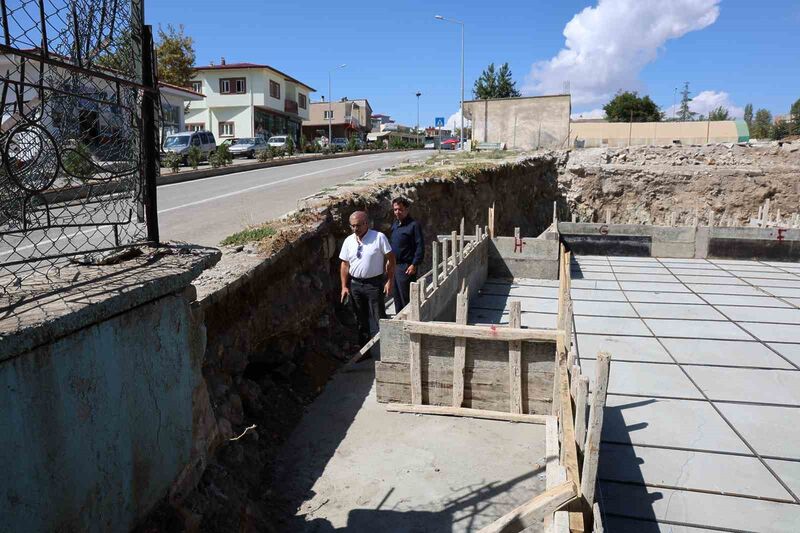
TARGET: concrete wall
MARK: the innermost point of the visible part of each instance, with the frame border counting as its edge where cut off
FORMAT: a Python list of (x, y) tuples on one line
[(595, 134), (525, 123), (535, 258)]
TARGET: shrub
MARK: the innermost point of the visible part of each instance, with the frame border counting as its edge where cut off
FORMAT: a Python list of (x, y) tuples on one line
[(352, 144), (223, 152), (194, 156), (303, 144), (77, 162), (289, 149), (265, 155), (173, 161)]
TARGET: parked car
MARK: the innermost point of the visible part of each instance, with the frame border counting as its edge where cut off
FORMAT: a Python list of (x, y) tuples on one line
[(278, 141), (248, 147), (179, 143), (339, 142), (431, 143)]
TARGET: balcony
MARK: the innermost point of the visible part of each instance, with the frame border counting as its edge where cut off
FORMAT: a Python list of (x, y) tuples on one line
[(290, 106)]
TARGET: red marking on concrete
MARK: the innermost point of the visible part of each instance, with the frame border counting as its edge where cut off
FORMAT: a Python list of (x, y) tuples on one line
[(518, 244), (603, 230), (780, 236)]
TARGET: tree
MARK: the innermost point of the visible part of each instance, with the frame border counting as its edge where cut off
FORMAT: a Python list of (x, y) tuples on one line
[(761, 125), (495, 83), (629, 106), (719, 113), (779, 130), (794, 116), (748, 115), (684, 113), (175, 53)]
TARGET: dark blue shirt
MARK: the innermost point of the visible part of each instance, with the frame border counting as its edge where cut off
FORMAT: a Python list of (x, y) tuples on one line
[(407, 243)]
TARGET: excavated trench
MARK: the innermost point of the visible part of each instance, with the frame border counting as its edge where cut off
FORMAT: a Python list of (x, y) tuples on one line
[(276, 333)]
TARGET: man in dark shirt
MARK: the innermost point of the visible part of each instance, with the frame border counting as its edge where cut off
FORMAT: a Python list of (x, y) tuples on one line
[(409, 250)]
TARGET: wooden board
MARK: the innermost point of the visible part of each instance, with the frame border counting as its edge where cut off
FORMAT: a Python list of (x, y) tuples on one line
[(495, 333), (467, 413), (460, 351), (515, 361), (534, 511), (569, 450)]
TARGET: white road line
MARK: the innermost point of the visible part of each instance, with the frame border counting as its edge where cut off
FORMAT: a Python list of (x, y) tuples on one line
[(262, 186), (49, 241)]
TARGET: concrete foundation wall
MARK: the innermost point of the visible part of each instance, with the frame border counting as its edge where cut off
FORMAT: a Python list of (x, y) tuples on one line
[(535, 258), (96, 426), (524, 123)]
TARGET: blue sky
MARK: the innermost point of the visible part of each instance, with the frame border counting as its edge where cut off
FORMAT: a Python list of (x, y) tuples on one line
[(731, 51)]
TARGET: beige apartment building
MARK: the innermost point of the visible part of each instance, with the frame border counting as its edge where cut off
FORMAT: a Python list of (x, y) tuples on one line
[(348, 117)]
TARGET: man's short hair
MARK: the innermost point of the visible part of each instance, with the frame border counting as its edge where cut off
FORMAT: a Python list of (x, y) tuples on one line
[(402, 201)]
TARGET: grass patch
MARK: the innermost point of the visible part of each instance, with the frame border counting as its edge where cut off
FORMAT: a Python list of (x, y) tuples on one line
[(249, 235)]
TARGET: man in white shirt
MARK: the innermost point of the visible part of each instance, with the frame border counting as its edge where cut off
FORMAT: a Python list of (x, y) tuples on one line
[(366, 272)]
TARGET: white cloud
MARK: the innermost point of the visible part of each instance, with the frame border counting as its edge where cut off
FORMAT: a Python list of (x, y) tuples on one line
[(608, 45), (592, 113), (705, 102), (455, 121)]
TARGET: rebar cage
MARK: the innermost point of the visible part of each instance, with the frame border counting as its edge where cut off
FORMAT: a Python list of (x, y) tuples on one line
[(76, 77)]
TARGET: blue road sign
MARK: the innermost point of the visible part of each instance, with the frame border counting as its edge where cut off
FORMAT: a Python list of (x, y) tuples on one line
[(440, 122)]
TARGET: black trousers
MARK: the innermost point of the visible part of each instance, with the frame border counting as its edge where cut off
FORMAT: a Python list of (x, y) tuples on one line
[(401, 287), (370, 306)]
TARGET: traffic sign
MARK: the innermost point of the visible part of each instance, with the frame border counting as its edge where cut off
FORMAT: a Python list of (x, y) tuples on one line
[(440, 122)]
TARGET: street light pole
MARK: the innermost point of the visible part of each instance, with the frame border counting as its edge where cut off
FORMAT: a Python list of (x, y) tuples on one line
[(330, 109), (418, 95), (461, 23)]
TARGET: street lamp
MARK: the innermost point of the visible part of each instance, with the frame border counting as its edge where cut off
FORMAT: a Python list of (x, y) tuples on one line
[(330, 110), (439, 17), (418, 95), (674, 102)]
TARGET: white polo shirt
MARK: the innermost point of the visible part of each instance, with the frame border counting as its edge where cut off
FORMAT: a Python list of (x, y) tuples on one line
[(374, 247)]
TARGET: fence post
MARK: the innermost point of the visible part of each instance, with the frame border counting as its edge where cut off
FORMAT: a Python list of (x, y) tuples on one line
[(149, 137)]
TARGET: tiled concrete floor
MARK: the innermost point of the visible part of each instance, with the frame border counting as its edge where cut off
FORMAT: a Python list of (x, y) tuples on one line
[(702, 424)]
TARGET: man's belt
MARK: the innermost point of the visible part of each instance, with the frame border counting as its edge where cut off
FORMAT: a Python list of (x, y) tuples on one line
[(373, 278)]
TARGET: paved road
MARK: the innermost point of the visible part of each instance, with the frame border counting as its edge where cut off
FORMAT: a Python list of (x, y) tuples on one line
[(208, 210)]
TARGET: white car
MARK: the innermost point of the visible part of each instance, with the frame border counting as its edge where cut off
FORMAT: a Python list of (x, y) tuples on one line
[(278, 141)]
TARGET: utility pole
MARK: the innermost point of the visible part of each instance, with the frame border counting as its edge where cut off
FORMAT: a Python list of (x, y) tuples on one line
[(461, 23), (418, 95), (330, 109)]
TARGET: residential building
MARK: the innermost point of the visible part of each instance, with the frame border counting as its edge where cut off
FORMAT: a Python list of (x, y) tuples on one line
[(173, 105), (391, 131), (348, 117), (248, 99), (437, 132), (380, 120), (594, 133)]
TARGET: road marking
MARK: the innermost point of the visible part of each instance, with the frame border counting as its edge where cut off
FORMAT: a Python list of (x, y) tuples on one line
[(50, 241), (256, 187)]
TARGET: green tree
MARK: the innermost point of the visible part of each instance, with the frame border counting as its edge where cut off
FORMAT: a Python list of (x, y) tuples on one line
[(175, 53), (794, 117), (629, 106), (779, 130), (684, 113), (495, 83), (748, 115), (762, 124), (719, 113)]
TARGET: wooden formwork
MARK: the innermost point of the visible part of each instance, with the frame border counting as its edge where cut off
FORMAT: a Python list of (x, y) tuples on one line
[(432, 367)]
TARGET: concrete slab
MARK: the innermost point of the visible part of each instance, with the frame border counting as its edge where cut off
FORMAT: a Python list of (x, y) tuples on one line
[(755, 314), (597, 294), (665, 278), (784, 283), (609, 276), (644, 379), (788, 471), (660, 297), (618, 524), (794, 301), (748, 384), (677, 423), (496, 301), (755, 301), (628, 348), (594, 284), (783, 292), (700, 509), (534, 292), (652, 287), (686, 311), (697, 329), (599, 308), (771, 275), (773, 332), (773, 431), (497, 316), (707, 271), (653, 269), (371, 470), (789, 351), (721, 352), (735, 475), (703, 288), (612, 326), (574, 267), (714, 280), (629, 260)]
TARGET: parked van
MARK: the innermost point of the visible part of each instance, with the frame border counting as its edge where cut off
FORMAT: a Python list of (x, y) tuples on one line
[(179, 143)]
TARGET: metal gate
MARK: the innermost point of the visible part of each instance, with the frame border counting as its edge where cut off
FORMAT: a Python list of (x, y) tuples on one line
[(78, 137)]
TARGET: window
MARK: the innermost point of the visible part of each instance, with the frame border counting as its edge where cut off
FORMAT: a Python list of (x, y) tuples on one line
[(226, 129), (274, 89), (195, 127), (302, 101), (204, 137), (197, 86), (328, 115), (232, 85)]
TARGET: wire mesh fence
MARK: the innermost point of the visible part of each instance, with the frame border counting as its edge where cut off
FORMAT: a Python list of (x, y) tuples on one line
[(76, 140)]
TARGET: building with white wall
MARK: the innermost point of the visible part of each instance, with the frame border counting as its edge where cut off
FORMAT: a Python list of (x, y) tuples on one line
[(248, 99)]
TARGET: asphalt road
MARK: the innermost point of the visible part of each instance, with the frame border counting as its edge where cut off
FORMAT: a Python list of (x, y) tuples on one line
[(206, 211)]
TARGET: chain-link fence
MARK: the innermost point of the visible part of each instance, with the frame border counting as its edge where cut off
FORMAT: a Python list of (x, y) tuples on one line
[(78, 136)]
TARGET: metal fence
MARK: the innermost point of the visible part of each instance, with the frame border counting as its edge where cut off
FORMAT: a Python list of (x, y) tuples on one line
[(78, 137)]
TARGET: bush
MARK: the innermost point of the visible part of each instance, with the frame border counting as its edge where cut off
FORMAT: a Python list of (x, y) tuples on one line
[(194, 156), (224, 154), (352, 144), (173, 161), (303, 144), (289, 149), (265, 155), (77, 162)]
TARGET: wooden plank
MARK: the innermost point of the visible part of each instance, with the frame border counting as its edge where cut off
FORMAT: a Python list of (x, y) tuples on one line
[(435, 263), (454, 248), (422, 294), (592, 452), (478, 236), (466, 412), (569, 450), (362, 352), (460, 351), (415, 369), (598, 518), (448, 329), (444, 257), (491, 221), (414, 300), (551, 462), (580, 412), (461, 241), (534, 511), (515, 360)]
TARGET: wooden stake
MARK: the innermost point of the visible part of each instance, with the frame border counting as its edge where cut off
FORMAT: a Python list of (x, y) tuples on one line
[(422, 295), (461, 241), (454, 247), (592, 450), (555, 214), (580, 412), (478, 236), (415, 355), (569, 450), (445, 410), (534, 511), (608, 216), (460, 352), (435, 263), (515, 360), (491, 222), (445, 258), (574, 217)]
